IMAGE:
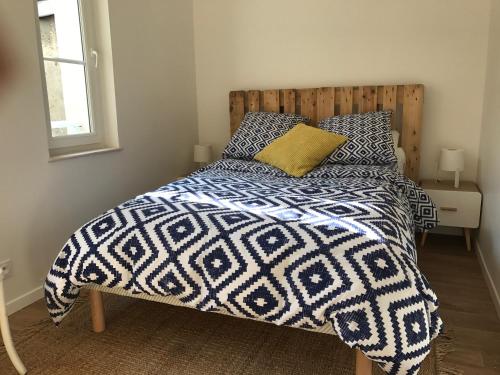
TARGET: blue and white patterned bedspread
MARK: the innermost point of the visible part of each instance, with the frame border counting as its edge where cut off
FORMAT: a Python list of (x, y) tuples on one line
[(240, 237)]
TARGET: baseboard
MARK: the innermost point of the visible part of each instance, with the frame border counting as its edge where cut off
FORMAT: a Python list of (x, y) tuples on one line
[(24, 300), (489, 280)]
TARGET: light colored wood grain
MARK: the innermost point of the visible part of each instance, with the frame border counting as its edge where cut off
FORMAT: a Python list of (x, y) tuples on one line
[(380, 95), (367, 99), (253, 100), (405, 101), (236, 109), (97, 311), (325, 102), (289, 101), (308, 104), (356, 93), (411, 128), (346, 100), (271, 101), (400, 93), (363, 364), (389, 102)]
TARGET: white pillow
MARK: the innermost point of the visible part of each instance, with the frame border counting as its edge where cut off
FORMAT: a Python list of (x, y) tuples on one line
[(395, 138)]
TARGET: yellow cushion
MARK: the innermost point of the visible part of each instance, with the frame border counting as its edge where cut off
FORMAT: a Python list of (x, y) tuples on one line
[(300, 150)]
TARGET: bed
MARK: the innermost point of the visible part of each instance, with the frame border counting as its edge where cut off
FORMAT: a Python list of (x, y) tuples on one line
[(332, 252)]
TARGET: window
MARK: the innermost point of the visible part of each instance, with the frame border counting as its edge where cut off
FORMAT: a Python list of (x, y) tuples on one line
[(70, 65)]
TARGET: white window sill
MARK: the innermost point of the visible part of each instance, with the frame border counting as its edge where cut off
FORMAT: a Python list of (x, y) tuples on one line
[(77, 154)]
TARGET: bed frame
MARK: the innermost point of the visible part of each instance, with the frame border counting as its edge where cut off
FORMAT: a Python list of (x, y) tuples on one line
[(405, 101)]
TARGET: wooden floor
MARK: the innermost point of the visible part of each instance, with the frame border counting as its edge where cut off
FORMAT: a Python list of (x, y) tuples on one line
[(466, 306), (465, 303)]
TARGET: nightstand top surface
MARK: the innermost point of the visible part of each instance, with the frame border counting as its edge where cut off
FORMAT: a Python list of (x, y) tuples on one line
[(449, 185)]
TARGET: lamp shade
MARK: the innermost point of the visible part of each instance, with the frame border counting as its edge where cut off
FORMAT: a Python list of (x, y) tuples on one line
[(452, 160), (202, 153)]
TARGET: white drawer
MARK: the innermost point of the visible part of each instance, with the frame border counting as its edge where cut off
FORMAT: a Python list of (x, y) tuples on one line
[(457, 208)]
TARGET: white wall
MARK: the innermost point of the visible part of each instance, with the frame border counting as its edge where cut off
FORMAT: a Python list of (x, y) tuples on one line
[(489, 161), (42, 203), (243, 44)]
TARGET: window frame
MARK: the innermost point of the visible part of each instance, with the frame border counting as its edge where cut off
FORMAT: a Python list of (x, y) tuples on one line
[(89, 46)]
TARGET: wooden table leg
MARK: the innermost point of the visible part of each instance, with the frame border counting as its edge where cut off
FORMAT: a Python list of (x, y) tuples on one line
[(423, 239), (97, 311), (363, 364), (467, 239)]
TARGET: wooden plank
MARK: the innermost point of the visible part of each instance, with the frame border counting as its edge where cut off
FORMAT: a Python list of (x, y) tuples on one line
[(325, 102), (389, 102), (346, 99), (308, 104), (390, 98), (380, 95), (411, 130), (355, 96), (367, 99), (236, 109), (253, 101), (400, 94), (271, 101), (289, 101)]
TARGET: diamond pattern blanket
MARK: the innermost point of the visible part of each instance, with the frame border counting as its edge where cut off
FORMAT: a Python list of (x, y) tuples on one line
[(336, 247)]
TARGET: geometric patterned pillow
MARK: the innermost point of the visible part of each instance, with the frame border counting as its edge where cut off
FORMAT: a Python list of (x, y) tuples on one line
[(257, 130), (370, 140)]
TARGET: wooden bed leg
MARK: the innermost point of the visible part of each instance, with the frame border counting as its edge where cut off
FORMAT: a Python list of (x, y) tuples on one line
[(363, 364), (467, 239), (423, 239), (97, 311)]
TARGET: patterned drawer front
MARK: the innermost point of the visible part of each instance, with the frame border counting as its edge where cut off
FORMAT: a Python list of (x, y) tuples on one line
[(457, 208)]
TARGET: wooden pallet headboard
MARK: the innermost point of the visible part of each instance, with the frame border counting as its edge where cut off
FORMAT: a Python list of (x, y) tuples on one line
[(405, 101)]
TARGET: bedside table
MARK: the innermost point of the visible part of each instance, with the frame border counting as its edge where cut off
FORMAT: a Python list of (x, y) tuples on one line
[(456, 207)]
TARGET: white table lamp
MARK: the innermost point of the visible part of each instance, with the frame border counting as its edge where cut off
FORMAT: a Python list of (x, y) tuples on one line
[(203, 154), (452, 160)]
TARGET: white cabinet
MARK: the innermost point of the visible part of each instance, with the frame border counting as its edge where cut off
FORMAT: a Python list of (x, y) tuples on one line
[(459, 207)]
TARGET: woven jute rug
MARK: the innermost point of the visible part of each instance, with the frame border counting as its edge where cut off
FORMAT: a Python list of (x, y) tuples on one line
[(152, 338)]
